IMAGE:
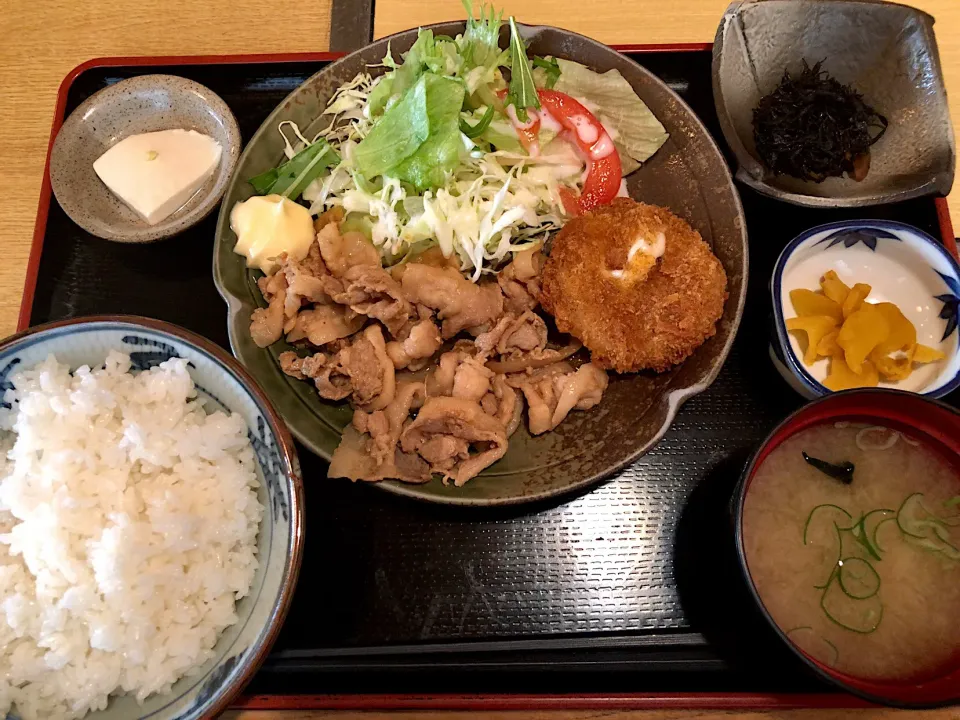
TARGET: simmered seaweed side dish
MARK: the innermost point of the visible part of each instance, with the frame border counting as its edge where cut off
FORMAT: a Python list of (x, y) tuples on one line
[(813, 127)]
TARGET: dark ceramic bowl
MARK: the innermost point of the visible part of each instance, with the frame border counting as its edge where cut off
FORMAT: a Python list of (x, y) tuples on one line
[(146, 103), (929, 421), (688, 174), (886, 51)]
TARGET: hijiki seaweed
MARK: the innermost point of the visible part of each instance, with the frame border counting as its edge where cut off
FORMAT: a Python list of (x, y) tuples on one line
[(813, 127)]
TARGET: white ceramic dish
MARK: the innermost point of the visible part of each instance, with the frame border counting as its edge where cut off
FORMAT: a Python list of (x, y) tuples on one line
[(903, 265)]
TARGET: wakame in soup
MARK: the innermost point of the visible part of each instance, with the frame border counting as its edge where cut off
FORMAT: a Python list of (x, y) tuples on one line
[(852, 539)]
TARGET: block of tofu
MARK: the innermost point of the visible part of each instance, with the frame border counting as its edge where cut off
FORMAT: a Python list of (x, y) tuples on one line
[(156, 173)]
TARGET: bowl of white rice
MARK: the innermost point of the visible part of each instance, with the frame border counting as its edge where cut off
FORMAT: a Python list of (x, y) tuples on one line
[(151, 523)]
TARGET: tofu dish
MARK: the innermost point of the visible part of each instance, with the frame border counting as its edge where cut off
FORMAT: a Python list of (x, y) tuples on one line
[(456, 252), (156, 173)]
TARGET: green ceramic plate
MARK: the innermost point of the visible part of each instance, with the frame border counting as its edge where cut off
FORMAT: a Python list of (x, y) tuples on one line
[(688, 175)]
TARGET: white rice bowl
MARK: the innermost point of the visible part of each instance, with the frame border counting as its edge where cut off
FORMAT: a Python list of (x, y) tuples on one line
[(128, 531)]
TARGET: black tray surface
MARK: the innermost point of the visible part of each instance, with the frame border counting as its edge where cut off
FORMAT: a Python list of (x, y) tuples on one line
[(632, 586)]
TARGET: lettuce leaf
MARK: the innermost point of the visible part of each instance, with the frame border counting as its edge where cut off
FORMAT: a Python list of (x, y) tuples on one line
[(381, 93), (397, 135), (414, 61), (440, 153), (501, 134), (638, 130), (546, 72)]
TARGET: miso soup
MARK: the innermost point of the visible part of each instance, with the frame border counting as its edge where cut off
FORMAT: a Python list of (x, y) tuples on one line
[(852, 539)]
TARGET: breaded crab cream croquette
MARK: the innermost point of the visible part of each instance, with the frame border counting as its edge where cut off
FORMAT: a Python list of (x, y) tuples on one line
[(636, 284)]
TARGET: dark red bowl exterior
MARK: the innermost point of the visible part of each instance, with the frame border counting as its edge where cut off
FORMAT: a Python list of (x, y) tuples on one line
[(930, 421)]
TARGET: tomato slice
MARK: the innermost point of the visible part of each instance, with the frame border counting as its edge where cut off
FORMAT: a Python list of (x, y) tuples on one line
[(569, 200), (588, 134)]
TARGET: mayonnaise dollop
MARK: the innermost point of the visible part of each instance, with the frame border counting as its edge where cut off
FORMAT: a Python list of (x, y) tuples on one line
[(267, 226)]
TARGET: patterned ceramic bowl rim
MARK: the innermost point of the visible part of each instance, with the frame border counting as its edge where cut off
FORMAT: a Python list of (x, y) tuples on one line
[(786, 349), (289, 462)]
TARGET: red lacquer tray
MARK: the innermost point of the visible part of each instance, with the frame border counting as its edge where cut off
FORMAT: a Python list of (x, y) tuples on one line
[(670, 655)]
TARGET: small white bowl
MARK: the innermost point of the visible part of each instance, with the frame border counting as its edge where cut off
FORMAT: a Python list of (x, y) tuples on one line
[(903, 265)]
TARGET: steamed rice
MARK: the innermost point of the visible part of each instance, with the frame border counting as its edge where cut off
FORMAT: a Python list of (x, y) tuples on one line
[(128, 525)]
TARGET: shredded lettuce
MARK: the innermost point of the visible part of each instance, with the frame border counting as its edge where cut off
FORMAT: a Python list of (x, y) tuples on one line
[(637, 129)]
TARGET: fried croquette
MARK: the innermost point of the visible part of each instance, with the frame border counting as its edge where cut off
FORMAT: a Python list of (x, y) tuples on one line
[(636, 284)]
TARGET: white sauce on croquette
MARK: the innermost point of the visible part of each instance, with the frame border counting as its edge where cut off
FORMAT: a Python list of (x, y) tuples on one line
[(641, 245)]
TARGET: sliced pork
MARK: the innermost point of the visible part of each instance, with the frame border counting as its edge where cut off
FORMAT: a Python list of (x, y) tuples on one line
[(353, 459), (421, 405), (371, 291), (323, 324), (422, 341), (504, 403), (520, 281), (370, 370), (266, 324), (514, 334), (444, 432), (304, 284), (554, 391), (460, 304), (323, 368), (342, 252)]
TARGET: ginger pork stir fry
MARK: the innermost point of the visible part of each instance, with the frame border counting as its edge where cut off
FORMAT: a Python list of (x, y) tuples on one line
[(437, 368)]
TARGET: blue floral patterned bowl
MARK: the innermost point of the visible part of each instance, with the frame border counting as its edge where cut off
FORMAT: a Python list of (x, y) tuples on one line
[(903, 265), (242, 646)]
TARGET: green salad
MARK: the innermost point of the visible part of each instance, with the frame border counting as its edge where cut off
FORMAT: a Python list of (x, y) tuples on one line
[(461, 144)]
